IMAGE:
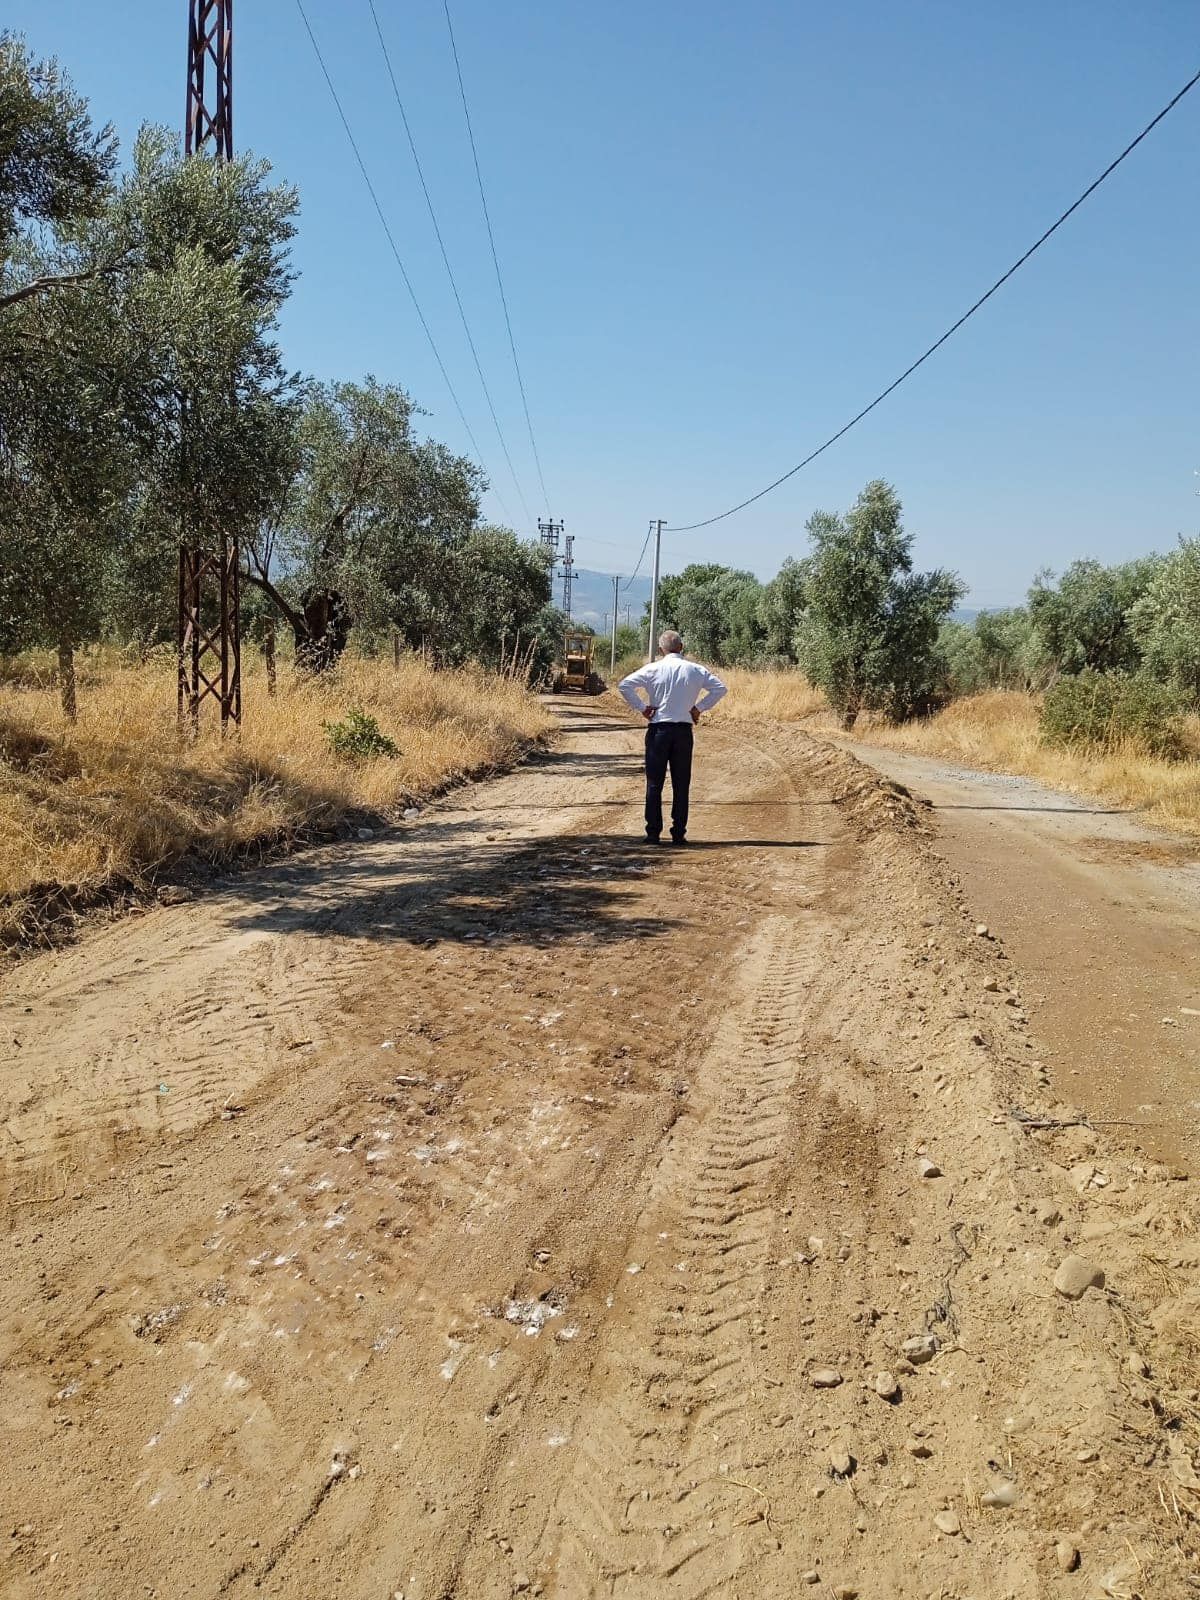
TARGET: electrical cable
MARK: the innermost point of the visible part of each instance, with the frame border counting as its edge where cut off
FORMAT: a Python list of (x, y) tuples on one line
[(908, 371), (366, 177), (512, 344), (642, 557), (412, 145)]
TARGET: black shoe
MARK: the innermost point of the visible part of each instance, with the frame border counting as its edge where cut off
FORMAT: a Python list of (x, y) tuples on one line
[(653, 838), (678, 843)]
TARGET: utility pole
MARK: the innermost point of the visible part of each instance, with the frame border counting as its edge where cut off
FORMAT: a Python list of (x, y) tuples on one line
[(658, 528), (208, 632), (568, 573), (612, 664)]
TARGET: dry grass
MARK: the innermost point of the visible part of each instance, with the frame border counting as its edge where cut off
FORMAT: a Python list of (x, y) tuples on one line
[(115, 797), (996, 732), (781, 696)]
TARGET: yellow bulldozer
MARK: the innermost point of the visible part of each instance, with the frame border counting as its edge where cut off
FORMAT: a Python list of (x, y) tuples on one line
[(577, 669)]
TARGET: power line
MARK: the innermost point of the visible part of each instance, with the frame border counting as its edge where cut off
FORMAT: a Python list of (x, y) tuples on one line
[(908, 371), (642, 557), (445, 258), (512, 344), (366, 177)]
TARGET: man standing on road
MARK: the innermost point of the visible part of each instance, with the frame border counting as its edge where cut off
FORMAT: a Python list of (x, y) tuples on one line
[(677, 692)]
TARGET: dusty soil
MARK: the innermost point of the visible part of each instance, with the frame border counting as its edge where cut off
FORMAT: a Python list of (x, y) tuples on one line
[(473, 1213), (1101, 915)]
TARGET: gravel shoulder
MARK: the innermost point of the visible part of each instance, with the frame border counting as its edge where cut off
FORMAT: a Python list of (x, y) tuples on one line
[(1101, 914), (500, 1208)]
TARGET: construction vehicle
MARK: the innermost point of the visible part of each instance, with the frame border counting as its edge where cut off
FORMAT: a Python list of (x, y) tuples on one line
[(577, 670)]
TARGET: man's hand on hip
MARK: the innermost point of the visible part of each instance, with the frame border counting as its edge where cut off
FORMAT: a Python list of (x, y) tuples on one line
[(648, 712), (695, 717)]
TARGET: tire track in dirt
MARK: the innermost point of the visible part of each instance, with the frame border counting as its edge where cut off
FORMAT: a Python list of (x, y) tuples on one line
[(647, 1503)]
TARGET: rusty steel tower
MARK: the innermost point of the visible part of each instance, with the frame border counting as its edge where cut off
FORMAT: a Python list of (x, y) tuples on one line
[(209, 634)]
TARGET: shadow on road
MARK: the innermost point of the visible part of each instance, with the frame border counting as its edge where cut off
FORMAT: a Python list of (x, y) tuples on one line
[(449, 882)]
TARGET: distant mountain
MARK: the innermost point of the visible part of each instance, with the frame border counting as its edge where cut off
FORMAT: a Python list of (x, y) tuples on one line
[(592, 597)]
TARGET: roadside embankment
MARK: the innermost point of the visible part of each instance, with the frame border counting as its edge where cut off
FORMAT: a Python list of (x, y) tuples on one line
[(994, 732)]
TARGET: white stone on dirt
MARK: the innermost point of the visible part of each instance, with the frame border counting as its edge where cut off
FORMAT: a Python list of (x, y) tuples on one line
[(845, 1591), (920, 1348), (992, 986), (1137, 1364), (982, 931), (928, 1168), (1048, 1214), (947, 1522), (1001, 1495), (824, 1377), (918, 1448), (885, 1386), (1075, 1276), (1067, 1555), (841, 1461), (811, 1576)]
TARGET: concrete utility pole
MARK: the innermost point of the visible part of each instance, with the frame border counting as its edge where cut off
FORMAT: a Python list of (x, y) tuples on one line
[(658, 528), (612, 665), (568, 573), (208, 635)]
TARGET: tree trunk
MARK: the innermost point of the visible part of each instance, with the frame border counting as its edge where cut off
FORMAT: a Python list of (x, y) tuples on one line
[(66, 679), (322, 630), (849, 717), (269, 654)]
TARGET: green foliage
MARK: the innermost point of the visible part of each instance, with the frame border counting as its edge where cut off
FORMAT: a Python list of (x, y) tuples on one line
[(54, 165), (1010, 652), (1165, 621), (962, 658), (631, 641), (716, 609), (1084, 620), (358, 737), (868, 633), (1108, 711), (780, 608)]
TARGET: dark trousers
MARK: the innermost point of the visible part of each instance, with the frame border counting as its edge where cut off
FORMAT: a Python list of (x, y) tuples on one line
[(668, 745)]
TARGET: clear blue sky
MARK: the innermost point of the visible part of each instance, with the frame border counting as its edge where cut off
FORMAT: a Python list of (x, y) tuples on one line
[(724, 228)]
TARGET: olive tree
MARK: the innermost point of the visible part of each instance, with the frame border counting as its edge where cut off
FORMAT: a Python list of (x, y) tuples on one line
[(868, 633)]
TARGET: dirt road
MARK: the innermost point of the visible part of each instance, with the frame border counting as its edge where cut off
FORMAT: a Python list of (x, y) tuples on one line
[(1101, 916), (500, 1208)]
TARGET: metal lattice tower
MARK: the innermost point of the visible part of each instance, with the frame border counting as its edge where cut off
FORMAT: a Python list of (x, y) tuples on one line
[(209, 634), (549, 532), (568, 573)]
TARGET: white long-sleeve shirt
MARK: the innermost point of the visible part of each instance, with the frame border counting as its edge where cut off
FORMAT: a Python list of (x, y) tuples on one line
[(672, 686)]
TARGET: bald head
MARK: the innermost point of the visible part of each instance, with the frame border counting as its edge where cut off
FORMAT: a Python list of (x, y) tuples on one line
[(670, 643)]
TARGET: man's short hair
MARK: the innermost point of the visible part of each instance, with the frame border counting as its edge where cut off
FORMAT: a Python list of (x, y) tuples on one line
[(669, 642)]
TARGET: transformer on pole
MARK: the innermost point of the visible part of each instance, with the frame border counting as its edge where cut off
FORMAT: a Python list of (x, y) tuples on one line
[(209, 633)]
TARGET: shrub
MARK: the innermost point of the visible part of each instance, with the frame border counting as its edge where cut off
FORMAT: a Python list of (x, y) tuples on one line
[(1106, 710), (359, 737)]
